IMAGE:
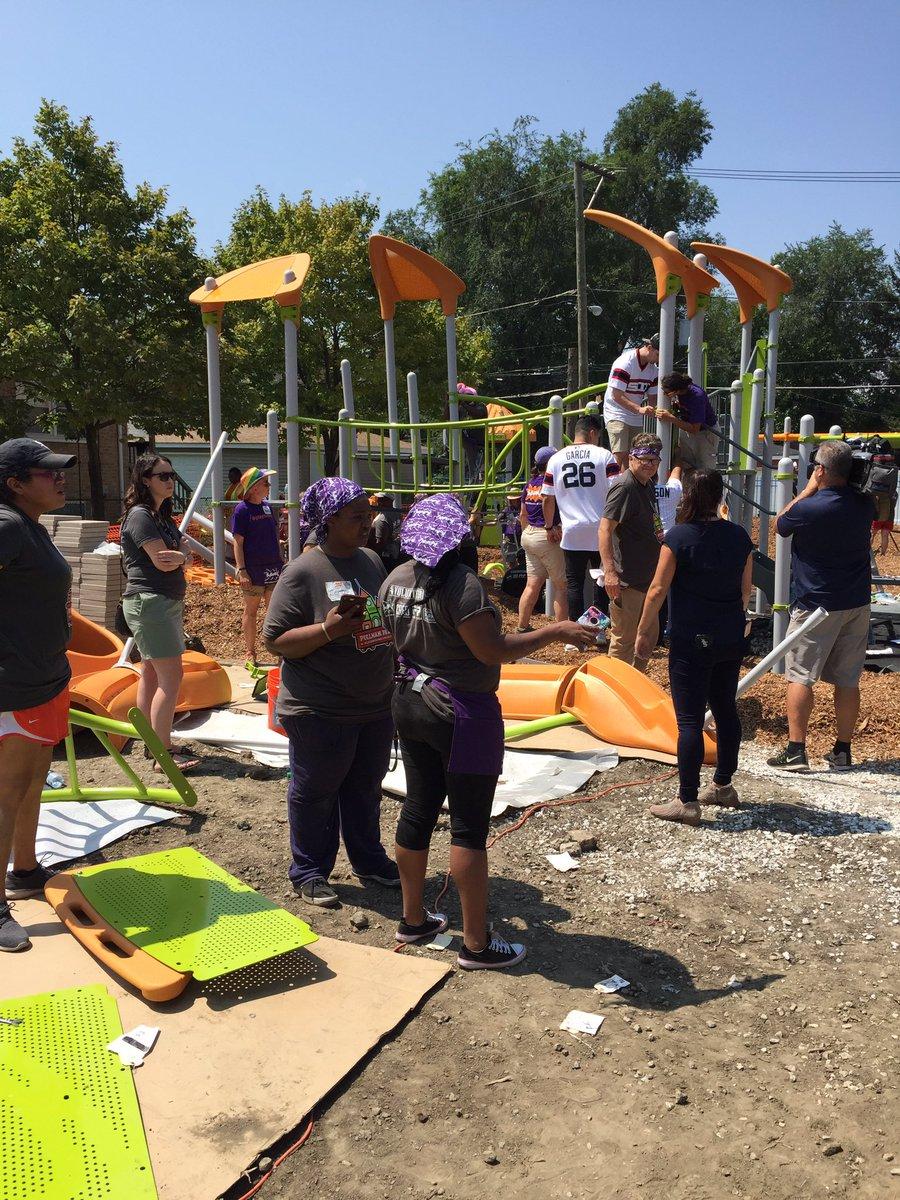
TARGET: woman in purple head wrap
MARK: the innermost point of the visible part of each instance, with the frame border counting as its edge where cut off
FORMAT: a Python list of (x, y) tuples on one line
[(334, 699), (450, 645)]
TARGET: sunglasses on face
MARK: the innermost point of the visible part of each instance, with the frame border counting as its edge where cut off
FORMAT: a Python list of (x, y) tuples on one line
[(56, 476), (163, 476)]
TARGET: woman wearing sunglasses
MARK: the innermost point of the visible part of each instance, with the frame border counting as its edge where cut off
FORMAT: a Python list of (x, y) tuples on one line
[(34, 672), (154, 594)]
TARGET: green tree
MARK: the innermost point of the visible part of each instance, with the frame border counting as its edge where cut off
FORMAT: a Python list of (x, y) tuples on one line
[(502, 216), (94, 317), (339, 316)]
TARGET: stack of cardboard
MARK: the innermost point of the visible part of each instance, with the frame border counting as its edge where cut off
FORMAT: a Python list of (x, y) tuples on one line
[(101, 587), (76, 537)]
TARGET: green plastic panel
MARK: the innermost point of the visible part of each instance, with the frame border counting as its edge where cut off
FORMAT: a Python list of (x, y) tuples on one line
[(70, 1125), (188, 913)]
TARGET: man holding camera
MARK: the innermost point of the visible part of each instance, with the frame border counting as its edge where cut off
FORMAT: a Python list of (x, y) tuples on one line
[(830, 569)]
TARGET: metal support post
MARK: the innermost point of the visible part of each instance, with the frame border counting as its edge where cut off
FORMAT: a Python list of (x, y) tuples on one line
[(807, 441), (211, 322), (392, 407), (555, 436), (415, 435), (748, 350), (769, 425), (272, 448), (581, 278), (292, 433), (666, 358), (756, 403), (345, 434), (454, 443), (735, 503), (784, 487), (695, 330)]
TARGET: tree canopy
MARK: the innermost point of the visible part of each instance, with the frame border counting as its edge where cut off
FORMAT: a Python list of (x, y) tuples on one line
[(93, 312)]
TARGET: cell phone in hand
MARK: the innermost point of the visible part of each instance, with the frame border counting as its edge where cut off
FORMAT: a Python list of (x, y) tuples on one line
[(351, 603)]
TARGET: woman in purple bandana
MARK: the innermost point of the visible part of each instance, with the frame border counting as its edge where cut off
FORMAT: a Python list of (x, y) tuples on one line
[(334, 700), (450, 645)]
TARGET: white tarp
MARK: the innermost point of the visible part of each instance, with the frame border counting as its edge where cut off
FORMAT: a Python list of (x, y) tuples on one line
[(70, 829)]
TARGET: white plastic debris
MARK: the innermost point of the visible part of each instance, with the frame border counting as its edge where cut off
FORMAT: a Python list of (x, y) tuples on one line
[(582, 1022), (134, 1046), (562, 862), (615, 983)]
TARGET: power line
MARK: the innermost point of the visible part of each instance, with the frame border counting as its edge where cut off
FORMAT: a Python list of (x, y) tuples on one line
[(519, 304)]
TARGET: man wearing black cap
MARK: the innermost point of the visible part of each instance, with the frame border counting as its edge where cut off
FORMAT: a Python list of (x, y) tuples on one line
[(630, 396), (34, 672)]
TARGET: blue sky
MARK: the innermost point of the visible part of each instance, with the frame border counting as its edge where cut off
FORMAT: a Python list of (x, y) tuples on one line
[(210, 99)]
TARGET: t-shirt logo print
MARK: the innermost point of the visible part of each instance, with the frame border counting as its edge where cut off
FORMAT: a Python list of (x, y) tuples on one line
[(373, 632)]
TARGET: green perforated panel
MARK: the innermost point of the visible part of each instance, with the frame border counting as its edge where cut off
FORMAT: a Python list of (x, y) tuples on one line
[(70, 1126), (188, 913)]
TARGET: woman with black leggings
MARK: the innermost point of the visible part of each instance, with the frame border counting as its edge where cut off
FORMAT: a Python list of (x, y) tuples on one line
[(707, 564), (450, 646)]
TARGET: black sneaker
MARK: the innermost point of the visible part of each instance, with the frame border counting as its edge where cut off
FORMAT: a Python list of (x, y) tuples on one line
[(838, 760), (793, 760), (12, 936), (433, 924), (21, 885), (496, 955), (318, 892), (389, 878)]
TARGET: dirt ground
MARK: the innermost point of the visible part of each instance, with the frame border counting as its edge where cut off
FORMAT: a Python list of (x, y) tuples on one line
[(754, 1053)]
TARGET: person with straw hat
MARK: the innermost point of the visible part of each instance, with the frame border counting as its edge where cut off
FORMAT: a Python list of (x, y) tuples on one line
[(257, 553)]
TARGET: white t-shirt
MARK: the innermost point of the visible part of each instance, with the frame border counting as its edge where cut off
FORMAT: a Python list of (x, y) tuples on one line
[(668, 497), (637, 382), (578, 479)]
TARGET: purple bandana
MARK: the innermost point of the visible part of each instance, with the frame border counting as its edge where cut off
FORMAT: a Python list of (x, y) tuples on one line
[(645, 452), (434, 526), (326, 497)]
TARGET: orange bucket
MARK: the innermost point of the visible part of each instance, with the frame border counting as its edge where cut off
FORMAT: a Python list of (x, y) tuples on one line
[(273, 683)]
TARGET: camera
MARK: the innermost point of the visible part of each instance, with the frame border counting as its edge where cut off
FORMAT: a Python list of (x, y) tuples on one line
[(861, 467)]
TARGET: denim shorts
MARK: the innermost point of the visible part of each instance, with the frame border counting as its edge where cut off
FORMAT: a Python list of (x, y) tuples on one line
[(157, 624)]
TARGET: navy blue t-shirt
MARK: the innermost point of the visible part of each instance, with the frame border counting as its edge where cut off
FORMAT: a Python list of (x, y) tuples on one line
[(830, 557), (705, 597)]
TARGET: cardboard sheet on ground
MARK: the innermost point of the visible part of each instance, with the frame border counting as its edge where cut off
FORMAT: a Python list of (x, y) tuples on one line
[(242, 1059), (70, 829), (529, 778), (236, 731), (574, 738)]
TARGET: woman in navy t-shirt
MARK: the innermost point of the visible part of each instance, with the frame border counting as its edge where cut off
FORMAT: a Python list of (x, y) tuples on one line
[(705, 566)]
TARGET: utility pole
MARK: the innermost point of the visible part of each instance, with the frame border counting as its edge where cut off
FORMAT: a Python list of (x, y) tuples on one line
[(571, 385), (581, 260)]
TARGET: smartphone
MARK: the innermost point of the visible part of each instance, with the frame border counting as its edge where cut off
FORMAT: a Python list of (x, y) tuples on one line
[(351, 603)]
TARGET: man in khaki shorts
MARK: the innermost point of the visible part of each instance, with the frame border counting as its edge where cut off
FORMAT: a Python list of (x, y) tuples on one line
[(630, 396), (830, 568)]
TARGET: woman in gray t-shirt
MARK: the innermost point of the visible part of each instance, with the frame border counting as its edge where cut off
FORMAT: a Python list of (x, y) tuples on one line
[(450, 644), (154, 593)]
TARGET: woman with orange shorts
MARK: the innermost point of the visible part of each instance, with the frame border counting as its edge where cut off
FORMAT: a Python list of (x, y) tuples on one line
[(35, 581)]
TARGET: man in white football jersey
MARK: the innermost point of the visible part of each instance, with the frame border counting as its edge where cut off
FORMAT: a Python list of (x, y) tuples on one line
[(576, 482), (630, 396)]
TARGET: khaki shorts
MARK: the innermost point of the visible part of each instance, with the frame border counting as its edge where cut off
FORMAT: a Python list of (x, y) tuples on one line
[(621, 435), (543, 559), (698, 450), (834, 651), (156, 622)]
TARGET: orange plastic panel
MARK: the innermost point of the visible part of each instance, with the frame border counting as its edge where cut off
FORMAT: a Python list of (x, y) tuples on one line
[(755, 280), (257, 281), (667, 260), (154, 980), (92, 648), (625, 707), (402, 272), (531, 690), (505, 432)]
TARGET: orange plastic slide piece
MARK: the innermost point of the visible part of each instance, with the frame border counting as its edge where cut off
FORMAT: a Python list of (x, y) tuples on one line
[(402, 272), (667, 259), (625, 707), (113, 692), (754, 280), (531, 690), (91, 648), (154, 980), (257, 281)]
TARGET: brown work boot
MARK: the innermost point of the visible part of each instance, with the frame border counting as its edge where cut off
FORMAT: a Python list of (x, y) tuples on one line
[(686, 814), (722, 794)]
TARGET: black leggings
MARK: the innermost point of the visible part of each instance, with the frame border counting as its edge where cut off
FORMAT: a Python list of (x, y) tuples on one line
[(577, 563), (702, 679), (425, 740)]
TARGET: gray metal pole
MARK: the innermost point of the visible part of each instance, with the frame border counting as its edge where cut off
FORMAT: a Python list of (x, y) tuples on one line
[(747, 349), (581, 279), (454, 443), (345, 432), (292, 437), (735, 503), (695, 331), (806, 442), (272, 448), (555, 438), (666, 359), (769, 426), (756, 404), (784, 487), (415, 435), (392, 406)]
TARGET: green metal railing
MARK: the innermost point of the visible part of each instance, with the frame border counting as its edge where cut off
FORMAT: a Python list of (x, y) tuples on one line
[(180, 792)]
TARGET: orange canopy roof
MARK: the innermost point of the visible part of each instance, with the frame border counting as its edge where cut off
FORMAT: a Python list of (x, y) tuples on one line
[(667, 259), (257, 281), (402, 272), (754, 280)]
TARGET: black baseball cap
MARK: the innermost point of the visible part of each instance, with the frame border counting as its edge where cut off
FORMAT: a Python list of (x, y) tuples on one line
[(21, 454)]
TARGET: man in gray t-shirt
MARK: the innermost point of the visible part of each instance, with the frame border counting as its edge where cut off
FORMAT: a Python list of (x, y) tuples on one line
[(629, 546)]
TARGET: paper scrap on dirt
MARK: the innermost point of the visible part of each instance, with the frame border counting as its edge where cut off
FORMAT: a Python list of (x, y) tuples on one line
[(562, 862), (70, 829), (615, 983), (441, 941), (528, 777), (582, 1022), (237, 732)]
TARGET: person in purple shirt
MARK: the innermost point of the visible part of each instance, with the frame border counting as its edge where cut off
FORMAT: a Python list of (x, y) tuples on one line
[(257, 553), (544, 558), (692, 414)]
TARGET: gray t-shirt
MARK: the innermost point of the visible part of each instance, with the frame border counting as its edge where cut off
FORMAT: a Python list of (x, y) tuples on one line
[(139, 527), (427, 633), (635, 540), (350, 679), (34, 618)]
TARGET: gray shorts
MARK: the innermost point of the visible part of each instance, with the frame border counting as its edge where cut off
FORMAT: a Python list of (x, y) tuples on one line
[(156, 622), (834, 651), (698, 450)]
